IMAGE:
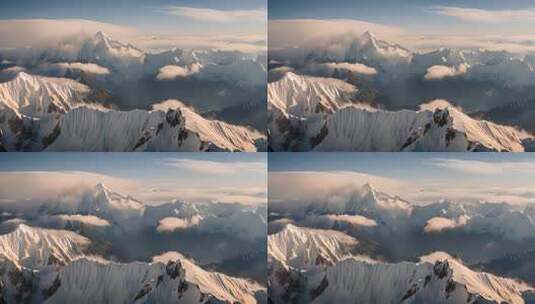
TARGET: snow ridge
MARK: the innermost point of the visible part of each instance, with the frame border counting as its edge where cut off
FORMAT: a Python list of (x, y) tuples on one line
[(43, 113), (31, 247), (344, 125)]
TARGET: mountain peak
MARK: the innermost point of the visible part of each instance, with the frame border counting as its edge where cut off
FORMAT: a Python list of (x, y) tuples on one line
[(101, 189), (370, 191), (368, 38), (368, 35), (24, 76), (101, 36)]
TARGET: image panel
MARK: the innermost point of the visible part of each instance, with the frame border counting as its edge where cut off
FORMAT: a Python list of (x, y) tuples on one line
[(393, 76), (133, 228), (401, 228), (99, 75)]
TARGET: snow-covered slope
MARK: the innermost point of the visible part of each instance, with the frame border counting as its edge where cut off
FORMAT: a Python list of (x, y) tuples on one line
[(219, 285), (300, 247), (32, 247), (175, 281), (37, 95), (297, 95), (43, 113), (437, 126), (437, 279), (50, 266)]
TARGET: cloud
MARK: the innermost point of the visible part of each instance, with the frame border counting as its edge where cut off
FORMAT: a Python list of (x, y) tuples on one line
[(14, 69), (85, 67), (171, 224), (438, 72), (69, 186), (170, 72), (56, 185), (331, 67), (21, 33), (333, 34), (329, 220), (16, 33), (216, 16), (481, 167), (215, 167), (294, 32), (439, 224), (294, 191), (242, 195), (85, 219), (485, 16)]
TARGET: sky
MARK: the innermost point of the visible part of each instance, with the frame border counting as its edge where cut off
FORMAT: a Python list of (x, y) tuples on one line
[(466, 23), (150, 177), (421, 178), (158, 19)]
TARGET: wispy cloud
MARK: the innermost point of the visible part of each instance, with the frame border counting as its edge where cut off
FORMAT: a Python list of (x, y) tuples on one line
[(482, 167), (216, 16), (214, 167), (485, 16)]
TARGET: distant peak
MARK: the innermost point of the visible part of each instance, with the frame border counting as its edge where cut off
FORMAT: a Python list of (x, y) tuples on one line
[(101, 35), (100, 186), (369, 187), (368, 35), (101, 189)]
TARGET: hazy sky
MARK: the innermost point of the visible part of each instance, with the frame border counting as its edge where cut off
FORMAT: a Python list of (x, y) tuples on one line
[(419, 177), (151, 177), (160, 19), (465, 23)]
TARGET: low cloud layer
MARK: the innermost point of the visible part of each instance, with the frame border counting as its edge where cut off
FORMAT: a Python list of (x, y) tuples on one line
[(439, 224), (331, 67), (171, 224), (84, 67), (84, 219), (170, 72), (438, 72), (330, 220)]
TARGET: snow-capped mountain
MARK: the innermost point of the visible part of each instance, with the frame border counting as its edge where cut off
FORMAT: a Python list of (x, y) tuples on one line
[(55, 114), (437, 278), (29, 247), (437, 126), (300, 246), (49, 266), (482, 82)]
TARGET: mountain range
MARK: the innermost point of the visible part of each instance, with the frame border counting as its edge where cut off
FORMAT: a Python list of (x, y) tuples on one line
[(111, 248), (57, 114), (80, 91), (380, 248), (365, 94)]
